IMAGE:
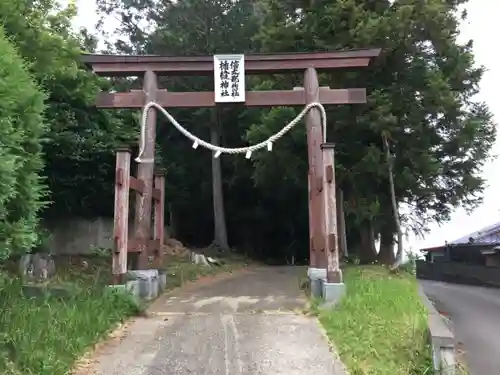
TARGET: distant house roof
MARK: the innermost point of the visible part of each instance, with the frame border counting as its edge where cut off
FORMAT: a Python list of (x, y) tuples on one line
[(461, 246), (485, 236), (480, 239)]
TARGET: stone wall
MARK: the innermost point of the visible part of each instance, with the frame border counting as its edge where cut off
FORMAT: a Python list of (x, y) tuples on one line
[(78, 236), (459, 273)]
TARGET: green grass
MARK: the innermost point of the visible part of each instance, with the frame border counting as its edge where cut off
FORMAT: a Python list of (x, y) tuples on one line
[(45, 336), (380, 327)]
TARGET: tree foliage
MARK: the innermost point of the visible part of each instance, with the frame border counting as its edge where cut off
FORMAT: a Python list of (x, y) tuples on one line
[(22, 129), (81, 140), (421, 93), (420, 98)]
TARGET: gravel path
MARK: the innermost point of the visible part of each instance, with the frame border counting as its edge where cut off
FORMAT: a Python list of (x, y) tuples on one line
[(247, 324)]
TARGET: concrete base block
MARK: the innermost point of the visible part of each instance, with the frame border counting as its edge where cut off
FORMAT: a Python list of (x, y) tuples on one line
[(148, 281), (132, 286), (162, 280), (316, 273), (317, 277), (332, 293), (446, 360)]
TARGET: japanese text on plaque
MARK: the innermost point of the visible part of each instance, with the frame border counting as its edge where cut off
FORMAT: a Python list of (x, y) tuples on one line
[(229, 78)]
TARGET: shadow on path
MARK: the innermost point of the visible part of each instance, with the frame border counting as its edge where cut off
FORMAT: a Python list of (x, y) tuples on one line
[(257, 289)]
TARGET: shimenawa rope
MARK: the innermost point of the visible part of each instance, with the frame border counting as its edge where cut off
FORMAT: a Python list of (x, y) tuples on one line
[(224, 150)]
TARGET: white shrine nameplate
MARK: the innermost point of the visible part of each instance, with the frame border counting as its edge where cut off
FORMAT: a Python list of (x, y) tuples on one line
[(229, 78)]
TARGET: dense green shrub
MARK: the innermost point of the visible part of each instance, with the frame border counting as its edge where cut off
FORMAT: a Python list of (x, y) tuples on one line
[(21, 130)]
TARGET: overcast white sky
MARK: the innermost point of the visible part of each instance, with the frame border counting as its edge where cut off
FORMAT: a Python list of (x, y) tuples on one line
[(483, 27)]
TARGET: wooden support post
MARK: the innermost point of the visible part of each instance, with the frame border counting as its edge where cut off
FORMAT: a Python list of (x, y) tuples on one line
[(142, 224), (341, 224), (317, 232), (159, 219), (333, 273), (120, 230), (313, 261)]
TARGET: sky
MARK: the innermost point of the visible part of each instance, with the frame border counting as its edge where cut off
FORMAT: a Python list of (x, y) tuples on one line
[(480, 25)]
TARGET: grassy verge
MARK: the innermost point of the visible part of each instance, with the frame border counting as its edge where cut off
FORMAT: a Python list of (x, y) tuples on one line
[(44, 336), (379, 328)]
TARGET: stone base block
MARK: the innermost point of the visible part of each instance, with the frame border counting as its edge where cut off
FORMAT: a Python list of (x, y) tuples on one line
[(162, 280), (37, 267), (317, 277), (132, 287), (332, 293), (148, 281)]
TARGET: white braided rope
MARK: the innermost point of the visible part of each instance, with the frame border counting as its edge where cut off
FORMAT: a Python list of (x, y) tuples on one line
[(224, 150)]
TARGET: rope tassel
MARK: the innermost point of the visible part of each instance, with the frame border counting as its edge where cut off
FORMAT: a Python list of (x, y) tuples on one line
[(224, 150)]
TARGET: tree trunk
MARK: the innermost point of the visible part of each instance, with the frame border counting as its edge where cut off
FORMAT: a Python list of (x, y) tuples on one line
[(341, 231), (368, 251), (173, 222), (386, 253), (363, 247), (220, 231), (397, 222)]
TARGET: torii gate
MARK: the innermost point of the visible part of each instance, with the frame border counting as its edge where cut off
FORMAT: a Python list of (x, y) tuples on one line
[(324, 262)]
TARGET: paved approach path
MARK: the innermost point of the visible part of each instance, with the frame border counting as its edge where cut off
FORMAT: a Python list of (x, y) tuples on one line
[(244, 324), (475, 315)]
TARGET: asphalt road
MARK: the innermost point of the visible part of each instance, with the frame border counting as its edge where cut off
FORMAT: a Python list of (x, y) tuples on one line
[(475, 315)]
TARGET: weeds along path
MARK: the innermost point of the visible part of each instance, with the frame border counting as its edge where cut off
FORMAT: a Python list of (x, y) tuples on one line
[(45, 335)]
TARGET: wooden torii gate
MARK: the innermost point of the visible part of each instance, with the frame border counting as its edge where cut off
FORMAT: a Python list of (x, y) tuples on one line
[(322, 211)]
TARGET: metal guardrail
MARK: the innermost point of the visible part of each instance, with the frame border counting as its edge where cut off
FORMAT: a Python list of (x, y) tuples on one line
[(441, 339)]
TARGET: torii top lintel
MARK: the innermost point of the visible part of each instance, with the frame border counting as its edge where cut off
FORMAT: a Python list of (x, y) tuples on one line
[(130, 65), (126, 65)]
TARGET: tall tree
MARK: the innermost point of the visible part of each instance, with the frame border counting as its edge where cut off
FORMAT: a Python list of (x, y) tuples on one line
[(22, 128), (81, 140), (394, 202), (187, 28), (420, 95), (220, 229)]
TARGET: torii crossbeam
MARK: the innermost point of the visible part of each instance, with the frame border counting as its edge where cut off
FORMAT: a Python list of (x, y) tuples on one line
[(322, 218)]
